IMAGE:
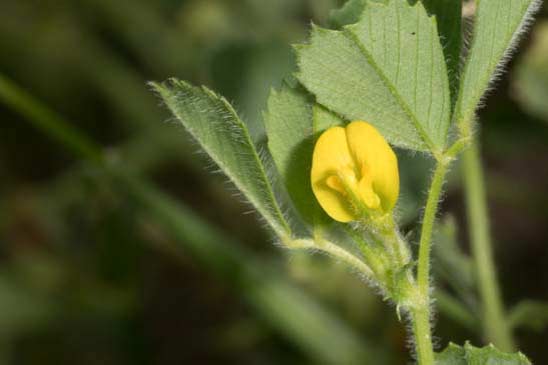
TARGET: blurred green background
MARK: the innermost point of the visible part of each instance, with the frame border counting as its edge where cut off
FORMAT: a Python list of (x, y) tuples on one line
[(119, 246)]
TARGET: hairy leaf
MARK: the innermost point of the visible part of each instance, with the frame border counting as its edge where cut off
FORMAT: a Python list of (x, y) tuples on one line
[(448, 16), (470, 355), (215, 125), (293, 123), (387, 69), (498, 27)]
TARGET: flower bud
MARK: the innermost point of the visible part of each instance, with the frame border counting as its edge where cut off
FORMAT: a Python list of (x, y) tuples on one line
[(354, 173)]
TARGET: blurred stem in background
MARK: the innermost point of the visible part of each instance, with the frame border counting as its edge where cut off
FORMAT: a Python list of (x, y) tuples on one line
[(44, 119), (285, 308), (495, 324), (455, 310)]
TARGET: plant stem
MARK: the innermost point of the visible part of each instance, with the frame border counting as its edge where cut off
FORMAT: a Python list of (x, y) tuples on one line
[(333, 250), (421, 314), (495, 326), (420, 319), (423, 276), (44, 119)]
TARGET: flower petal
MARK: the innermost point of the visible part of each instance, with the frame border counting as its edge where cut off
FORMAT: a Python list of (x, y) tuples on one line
[(331, 155), (373, 154)]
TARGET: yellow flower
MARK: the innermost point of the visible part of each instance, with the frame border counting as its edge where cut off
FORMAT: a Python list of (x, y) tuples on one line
[(354, 173)]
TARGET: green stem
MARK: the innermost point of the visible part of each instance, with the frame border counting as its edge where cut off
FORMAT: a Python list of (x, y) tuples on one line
[(420, 319), (333, 250), (421, 314), (495, 326), (423, 276), (44, 119)]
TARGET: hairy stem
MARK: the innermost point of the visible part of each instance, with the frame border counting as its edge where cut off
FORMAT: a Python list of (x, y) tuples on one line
[(420, 319), (334, 251), (423, 276), (421, 315), (495, 326)]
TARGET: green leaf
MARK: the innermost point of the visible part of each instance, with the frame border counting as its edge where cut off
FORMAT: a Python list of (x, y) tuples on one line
[(215, 125), (288, 122), (448, 16), (293, 123), (388, 69), (470, 355), (498, 27), (531, 74)]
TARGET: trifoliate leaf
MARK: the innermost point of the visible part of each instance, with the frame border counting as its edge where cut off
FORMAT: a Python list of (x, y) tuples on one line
[(388, 69), (498, 26), (470, 355), (293, 123), (215, 125)]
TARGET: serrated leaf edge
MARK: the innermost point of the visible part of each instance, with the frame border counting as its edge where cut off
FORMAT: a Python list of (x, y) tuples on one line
[(350, 35)]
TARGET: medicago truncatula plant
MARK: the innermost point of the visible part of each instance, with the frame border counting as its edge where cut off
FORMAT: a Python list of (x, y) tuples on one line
[(391, 73)]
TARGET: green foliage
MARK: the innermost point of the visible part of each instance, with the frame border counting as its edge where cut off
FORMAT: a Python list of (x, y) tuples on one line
[(394, 64), (396, 80), (292, 123), (498, 27), (288, 124), (448, 17), (470, 355), (215, 125)]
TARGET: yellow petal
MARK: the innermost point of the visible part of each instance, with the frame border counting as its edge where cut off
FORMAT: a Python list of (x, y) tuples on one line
[(331, 155), (375, 157)]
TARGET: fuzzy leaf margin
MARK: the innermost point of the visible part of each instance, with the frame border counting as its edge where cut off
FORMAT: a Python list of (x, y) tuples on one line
[(214, 123), (498, 27)]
